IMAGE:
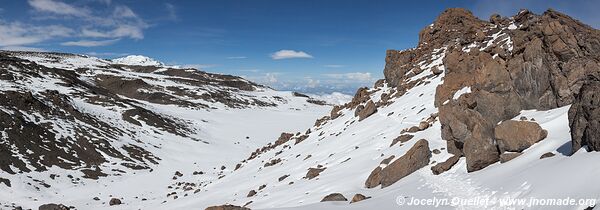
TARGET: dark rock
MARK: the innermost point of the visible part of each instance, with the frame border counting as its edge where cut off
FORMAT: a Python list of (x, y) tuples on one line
[(359, 197), (115, 202), (445, 166), (402, 139), (547, 155), (334, 197), (283, 177), (414, 159), (251, 193), (584, 118), (314, 172), (367, 111)]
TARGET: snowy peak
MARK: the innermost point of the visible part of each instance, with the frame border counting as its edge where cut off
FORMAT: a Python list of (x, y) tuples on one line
[(137, 60)]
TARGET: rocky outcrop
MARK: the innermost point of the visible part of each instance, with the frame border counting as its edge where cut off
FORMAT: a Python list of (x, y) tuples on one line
[(509, 64), (584, 117), (334, 197), (417, 157), (516, 136)]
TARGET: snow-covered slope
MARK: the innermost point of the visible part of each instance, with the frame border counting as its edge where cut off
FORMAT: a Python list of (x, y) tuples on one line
[(382, 125), (76, 127), (136, 60)]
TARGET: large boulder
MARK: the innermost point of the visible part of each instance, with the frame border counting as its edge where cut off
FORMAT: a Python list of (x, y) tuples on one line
[(334, 197), (516, 136), (584, 118), (366, 111), (416, 158)]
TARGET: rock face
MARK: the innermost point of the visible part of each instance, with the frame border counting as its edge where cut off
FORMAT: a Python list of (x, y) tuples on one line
[(528, 61), (227, 207), (516, 136), (584, 117), (417, 157), (507, 156), (334, 197)]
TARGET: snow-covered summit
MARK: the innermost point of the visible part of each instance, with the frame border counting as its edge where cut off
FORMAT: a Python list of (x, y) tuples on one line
[(137, 60)]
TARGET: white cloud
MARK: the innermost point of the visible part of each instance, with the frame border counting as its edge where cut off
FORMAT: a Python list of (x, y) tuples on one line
[(124, 12), (18, 34), (199, 66), (171, 11), (354, 76), (90, 43), (107, 2), (311, 83), (271, 77), (237, 57), (120, 22), (59, 8), (21, 48), (287, 54), (333, 66), (106, 54)]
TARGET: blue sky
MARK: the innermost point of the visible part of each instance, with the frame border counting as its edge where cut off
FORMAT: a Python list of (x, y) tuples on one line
[(306, 45)]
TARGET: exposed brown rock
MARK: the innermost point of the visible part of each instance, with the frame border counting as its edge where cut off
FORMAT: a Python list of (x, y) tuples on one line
[(584, 117), (367, 111), (334, 197), (361, 96), (314, 172), (114, 202), (507, 156), (547, 155), (251, 193), (516, 136), (359, 197), (402, 139), (414, 159), (445, 166)]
